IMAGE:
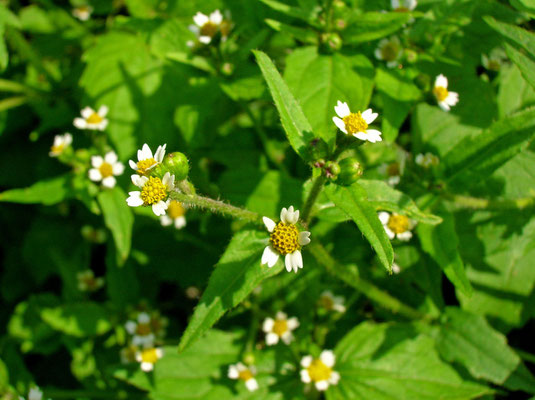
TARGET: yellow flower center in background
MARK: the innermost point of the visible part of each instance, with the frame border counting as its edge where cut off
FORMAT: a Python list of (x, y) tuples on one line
[(326, 302), (398, 223), (245, 375), (209, 29), (393, 169), (319, 371), (440, 92), (153, 191), (280, 327), (401, 9), (494, 65), (285, 238), (143, 329), (355, 123), (57, 149), (175, 209), (144, 165), (390, 51), (149, 356), (94, 119), (106, 169)]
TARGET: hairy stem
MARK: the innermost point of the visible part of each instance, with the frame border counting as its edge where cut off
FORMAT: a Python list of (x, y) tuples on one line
[(312, 197)]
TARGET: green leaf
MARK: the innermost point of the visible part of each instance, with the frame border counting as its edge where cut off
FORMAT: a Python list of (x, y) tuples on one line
[(4, 377), (468, 339), (78, 319), (514, 92), (373, 25), (290, 10), (47, 192), (236, 274), (119, 219), (353, 201), (524, 63), (441, 242), (195, 61), (301, 34), (294, 122)]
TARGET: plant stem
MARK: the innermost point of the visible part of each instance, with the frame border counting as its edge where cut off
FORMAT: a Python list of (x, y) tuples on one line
[(489, 204), (92, 394), (351, 277), (312, 197)]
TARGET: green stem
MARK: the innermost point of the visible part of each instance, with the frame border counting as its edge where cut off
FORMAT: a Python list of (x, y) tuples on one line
[(91, 394), (351, 277), (312, 197), (525, 355), (478, 203)]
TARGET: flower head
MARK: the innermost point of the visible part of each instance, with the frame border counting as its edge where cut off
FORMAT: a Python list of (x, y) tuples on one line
[(83, 12), (141, 330), (206, 27), (393, 172), (154, 192), (427, 160), (389, 50), (285, 239), (356, 124), (146, 161), (92, 119), (279, 328), (396, 225), (403, 5), (331, 302), (87, 281), (494, 60), (174, 215), (245, 374), (61, 142), (148, 357), (320, 370), (445, 98), (105, 169)]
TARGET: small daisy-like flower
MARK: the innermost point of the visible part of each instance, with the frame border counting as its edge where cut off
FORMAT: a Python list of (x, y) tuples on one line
[(396, 225), (175, 215), (331, 302), (494, 60), (128, 354), (61, 142), (246, 374), (105, 169), (141, 330), (445, 98), (154, 192), (392, 171), (427, 160), (83, 12), (279, 328), (389, 50), (320, 370), (148, 357), (87, 281), (206, 27), (145, 159), (92, 119), (285, 239), (403, 5), (356, 124)]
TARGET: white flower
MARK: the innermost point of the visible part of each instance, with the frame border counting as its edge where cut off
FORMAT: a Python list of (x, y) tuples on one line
[(87, 281), (444, 98), (396, 225), (154, 192), (332, 303), (396, 268), (83, 13), (104, 169), (426, 160), (389, 50), (61, 142), (146, 161), (206, 27), (494, 60), (403, 5), (175, 215), (148, 357), (393, 172), (141, 330), (91, 119), (285, 239), (320, 370), (243, 373), (279, 328), (356, 124)]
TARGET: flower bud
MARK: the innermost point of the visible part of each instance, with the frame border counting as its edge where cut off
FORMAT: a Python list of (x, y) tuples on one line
[(249, 358), (332, 169), (177, 164), (351, 171), (331, 41)]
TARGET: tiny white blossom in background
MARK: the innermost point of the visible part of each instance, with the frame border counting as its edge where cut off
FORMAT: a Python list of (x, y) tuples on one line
[(396, 268), (285, 239), (61, 142), (206, 27), (105, 169), (83, 13), (148, 357), (320, 370), (356, 124), (33, 394), (246, 374), (403, 5), (154, 192), (389, 50), (87, 281), (396, 225), (92, 119), (174, 215), (279, 328), (146, 161), (494, 60), (331, 302), (445, 98), (392, 171), (141, 330), (427, 160)]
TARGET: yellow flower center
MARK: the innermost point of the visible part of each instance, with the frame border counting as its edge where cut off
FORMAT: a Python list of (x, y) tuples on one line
[(149, 356), (144, 165), (401, 9), (398, 223), (106, 169), (319, 371), (58, 149), (153, 191), (393, 169), (355, 123), (390, 51), (175, 210), (245, 375), (494, 65), (209, 29), (440, 92), (143, 329), (94, 119), (280, 327), (225, 28), (82, 9), (326, 302), (285, 238)]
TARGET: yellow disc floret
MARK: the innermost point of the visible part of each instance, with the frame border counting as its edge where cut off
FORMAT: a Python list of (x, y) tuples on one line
[(355, 123), (175, 210), (209, 29), (144, 165), (401, 9), (398, 223), (280, 327), (149, 356), (318, 371), (106, 169), (245, 375), (326, 302), (153, 191), (440, 92), (94, 119), (285, 238), (58, 149), (143, 329)]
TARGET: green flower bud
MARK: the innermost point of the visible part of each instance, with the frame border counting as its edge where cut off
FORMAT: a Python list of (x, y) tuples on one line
[(177, 164), (249, 358), (351, 171), (227, 69), (332, 169), (411, 56), (331, 41)]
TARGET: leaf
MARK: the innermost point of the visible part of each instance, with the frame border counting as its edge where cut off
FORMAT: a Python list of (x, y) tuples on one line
[(290, 10), (301, 34), (468, 339), (294, 122), (47, 192), (4, 377), (119, 219), (514, 92), (353, 201), (78, 319), (524, 63), (195, 61), (236, 274), (373, 25)]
